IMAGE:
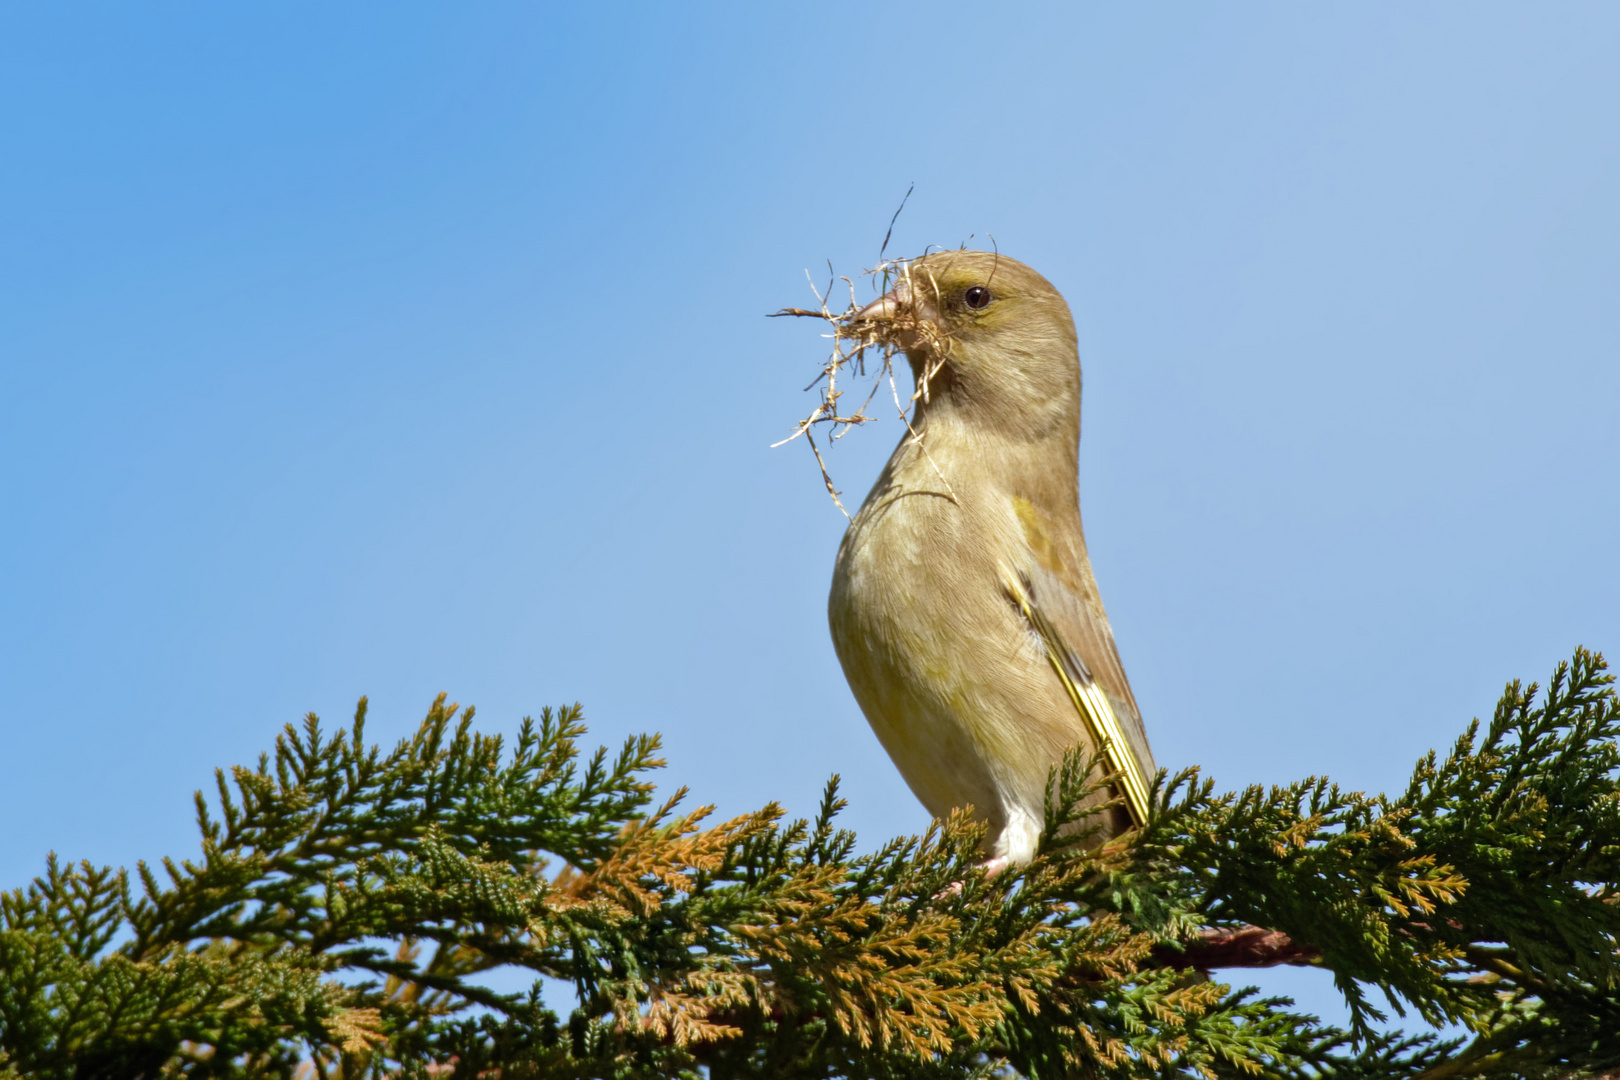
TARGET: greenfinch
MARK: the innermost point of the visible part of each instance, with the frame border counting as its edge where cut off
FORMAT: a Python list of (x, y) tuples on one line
[(963, 607)]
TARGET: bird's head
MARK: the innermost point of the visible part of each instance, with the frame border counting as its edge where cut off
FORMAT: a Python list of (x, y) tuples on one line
[(989, 335)]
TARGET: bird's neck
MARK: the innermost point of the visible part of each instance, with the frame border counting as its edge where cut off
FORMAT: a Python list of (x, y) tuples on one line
[(1036, 456), (961, 405)]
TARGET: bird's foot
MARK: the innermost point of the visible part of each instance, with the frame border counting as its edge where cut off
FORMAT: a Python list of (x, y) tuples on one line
[(991, 868)]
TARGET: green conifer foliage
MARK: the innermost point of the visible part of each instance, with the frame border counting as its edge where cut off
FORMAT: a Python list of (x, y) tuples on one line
[(346, 902)]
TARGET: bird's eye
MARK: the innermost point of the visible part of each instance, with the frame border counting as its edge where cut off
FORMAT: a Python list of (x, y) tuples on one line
[(977, 298)]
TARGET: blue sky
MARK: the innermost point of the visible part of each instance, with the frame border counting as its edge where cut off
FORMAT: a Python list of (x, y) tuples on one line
[(401, 348)]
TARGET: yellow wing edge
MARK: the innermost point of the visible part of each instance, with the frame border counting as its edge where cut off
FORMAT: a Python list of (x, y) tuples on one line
[(1092, 705)]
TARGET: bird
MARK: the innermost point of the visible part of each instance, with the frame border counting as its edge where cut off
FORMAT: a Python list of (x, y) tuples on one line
[(963, 607)]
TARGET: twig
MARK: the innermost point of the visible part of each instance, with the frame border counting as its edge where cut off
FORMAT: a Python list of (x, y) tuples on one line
[(826, 477), (884, 249), (851, 338), (1238, 947)]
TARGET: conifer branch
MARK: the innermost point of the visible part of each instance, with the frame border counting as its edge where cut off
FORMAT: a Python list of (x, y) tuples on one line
[(348, 903)]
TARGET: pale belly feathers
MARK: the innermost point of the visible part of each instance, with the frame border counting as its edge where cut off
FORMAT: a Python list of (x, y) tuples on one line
[(955, 684)]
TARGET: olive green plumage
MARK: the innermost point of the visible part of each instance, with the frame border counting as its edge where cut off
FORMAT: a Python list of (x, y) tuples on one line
[(961, 682)]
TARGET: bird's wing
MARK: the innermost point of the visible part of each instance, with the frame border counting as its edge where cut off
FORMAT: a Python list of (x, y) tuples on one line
[(1054, 590)]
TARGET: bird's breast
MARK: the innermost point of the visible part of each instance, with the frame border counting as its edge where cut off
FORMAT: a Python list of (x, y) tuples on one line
[(949, 678)]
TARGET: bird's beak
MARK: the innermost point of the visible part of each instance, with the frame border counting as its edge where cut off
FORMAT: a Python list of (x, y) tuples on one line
[(887, 307), (901, 318), (899, 305)]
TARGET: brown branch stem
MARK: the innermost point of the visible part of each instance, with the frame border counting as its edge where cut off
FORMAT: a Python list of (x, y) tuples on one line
[(1238, 947)]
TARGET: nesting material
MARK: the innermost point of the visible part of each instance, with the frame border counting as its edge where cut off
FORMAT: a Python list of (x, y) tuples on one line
[(854, 336)]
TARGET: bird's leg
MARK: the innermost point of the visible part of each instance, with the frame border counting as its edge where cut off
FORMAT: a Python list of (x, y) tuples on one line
[(991, 868)]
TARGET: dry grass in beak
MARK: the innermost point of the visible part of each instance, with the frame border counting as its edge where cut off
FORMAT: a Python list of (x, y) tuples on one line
[(854, 332)]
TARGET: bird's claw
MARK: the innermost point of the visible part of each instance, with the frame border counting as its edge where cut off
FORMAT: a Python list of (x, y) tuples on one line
[(991, 868)]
